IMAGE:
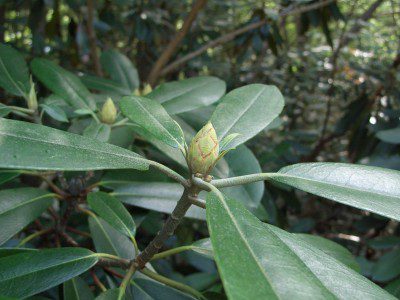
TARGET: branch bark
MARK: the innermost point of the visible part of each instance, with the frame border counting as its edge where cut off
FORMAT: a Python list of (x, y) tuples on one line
[(175, 42), (231, 35), (92, 38), (168, 228)]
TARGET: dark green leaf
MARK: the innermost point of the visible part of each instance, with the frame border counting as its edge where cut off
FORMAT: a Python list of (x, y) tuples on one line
[(55, 112), (7, 176), (109, 295), (30, 273), (4, 252), (242, 161), (149, 290), (4, 110), (394, 288), (53, 149), (77, 289), (14, 74), (63, 83), (370, 188), (391, 136), (108, 240), (104, 85), (387, 267), (113, 212), (384, 242), (261, 261), (19, 207), (247, 111), (120, 68), (185, 95), (98, 131), (150, 115)]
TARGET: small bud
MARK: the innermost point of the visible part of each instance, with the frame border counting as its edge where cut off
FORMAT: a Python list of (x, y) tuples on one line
[(147, 89), (203, 151), (108, 113), (32, 99)]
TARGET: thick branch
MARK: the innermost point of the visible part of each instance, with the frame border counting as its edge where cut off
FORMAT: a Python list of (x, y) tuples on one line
[(168, 228), (92, 37), (175, 42), (231, 35)]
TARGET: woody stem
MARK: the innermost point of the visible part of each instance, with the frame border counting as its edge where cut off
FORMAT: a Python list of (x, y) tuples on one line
[(169, 226)]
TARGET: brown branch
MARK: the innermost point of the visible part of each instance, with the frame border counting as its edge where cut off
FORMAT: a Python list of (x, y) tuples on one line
[(92, 38), (231, 35), (168, 228), (175, 42)]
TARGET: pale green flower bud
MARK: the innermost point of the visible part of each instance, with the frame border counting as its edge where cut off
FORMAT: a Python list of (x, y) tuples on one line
[(108, 113), (32, 99), (203, 151)]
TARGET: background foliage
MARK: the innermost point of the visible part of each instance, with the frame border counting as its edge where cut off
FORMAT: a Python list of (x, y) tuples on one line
[(336, 64)]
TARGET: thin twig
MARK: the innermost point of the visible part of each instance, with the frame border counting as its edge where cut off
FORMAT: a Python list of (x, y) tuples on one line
[(231, 35), (175, 42), (198, 202), (97, 281), (92, 37)]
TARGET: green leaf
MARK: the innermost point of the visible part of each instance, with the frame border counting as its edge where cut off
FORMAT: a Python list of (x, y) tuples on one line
[(158, 196), (332, 249), (109, 295), (113, 212), (63, 83), (54, 149), (185, 95), (104, 85), (227, 141), (391, 136), (14, 74), (108, 240), (370, 188), (384, 242), (120, 68), (247, 111), (77, 289), (5, 252), (150, 289), (387, 267), (55, 112), (394, 288), (150, 115), (30, 273), (98, 131), (19, 207), (7, 176), (242, 161), (4, 110), (261, 261), (203, 247)]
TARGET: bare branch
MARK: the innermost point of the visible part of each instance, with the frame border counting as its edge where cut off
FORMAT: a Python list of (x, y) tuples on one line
[(231, 35), (174, 43), (92, 37)]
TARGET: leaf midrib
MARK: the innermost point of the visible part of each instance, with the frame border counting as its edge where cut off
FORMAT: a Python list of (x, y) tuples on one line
[(52, 266), (235, 121), (134, 157), (25, 203), (11, 79)]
